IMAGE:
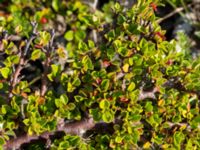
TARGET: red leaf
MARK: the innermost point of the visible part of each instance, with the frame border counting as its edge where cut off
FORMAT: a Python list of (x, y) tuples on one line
[(98, 81), (160, 35), (169, 62), (154, 6), (43, 20), (106, 63), (38, 46), (124, 99)]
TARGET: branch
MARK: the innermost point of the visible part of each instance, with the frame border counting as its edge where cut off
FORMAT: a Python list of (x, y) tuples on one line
[(177, 10), (33, 36), (188, 127), (14, 38), (73, 128), (94, 7), (94, 32), (47, 64), (15, 78), (147, 94)]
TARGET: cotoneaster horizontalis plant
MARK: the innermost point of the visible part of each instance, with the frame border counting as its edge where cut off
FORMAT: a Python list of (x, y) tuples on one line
[(118, 84)]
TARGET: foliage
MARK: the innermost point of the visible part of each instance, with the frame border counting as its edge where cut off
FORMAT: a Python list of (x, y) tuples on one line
[(142, 89)]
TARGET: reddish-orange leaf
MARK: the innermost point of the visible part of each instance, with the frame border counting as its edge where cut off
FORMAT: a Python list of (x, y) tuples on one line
[(98, 81), (43, 20), (106, 63), (24, 95), (154, 6), (38, 46), (160, 35), (41, 100), (124, 99), (169, 62)]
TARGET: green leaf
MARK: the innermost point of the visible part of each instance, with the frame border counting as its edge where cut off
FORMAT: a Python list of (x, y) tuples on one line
[(45, 37), (189, 145), (69, 35), (110, 35), (4, 109), (55, 5), (136, 136), (87, 63), (105, 85), (1, 86), (96, 114), (14, 59), (149, 107), (64, 99), (135, 117), (137, 71), (2, 141), (118, 139), (107, 116), (121, 19), (177, 118), (76, 82), (178, 139), (132, 28), (36, 54), (58, 103), (80, 35), (104, 104), (5, 72), (10, 133), (26, 121), (131, 87), (123, 51), (71, 106), (91, 44), (70, 87), (64, 145), (50, 76), (195, 122), (79, 98), (82, 46), (55, 69), (117, 43), (117, 7)]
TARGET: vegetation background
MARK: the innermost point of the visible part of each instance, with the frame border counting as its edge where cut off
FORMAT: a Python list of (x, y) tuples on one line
[(113, 74)]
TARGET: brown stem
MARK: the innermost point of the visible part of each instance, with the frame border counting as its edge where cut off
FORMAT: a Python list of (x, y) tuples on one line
[(73, 128), (16, 74), (177, 10), (47, 63), (15, 79), (188, 127), (147, 94), (44, 76)]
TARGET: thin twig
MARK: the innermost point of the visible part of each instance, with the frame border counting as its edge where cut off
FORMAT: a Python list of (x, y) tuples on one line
[(187, 126), (15, 78), (177, 10), (94, 32), (93, 5), (33, 81), (33, 36), (47, 64), (14, 38)]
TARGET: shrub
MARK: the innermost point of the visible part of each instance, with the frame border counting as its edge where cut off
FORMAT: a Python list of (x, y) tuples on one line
[(116, 83)]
